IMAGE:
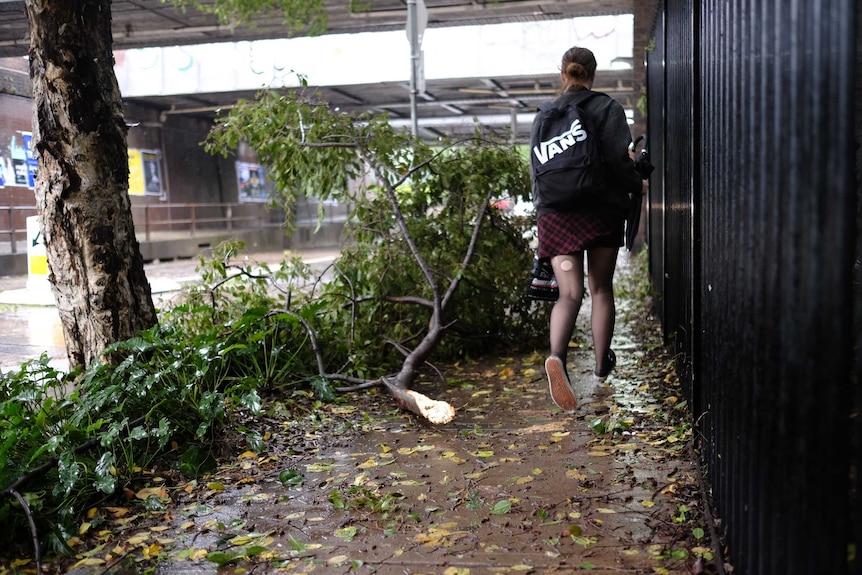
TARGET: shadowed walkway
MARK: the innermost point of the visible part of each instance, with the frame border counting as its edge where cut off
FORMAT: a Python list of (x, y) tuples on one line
[(512, 485)]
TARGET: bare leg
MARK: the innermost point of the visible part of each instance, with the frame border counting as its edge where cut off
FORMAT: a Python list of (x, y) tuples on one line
[(602, 262), (569, 272)]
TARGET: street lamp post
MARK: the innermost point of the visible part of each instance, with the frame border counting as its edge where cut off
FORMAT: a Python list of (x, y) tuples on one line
[(417, 19)]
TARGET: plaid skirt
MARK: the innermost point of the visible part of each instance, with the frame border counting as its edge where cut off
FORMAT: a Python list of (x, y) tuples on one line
[(564, 233)]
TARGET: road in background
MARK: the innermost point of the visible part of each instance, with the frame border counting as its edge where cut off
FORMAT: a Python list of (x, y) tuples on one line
[(30, 324)]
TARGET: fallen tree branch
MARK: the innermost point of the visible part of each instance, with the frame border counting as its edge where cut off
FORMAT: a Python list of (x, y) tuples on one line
[(399, 299), (33, 531), (431, 409)]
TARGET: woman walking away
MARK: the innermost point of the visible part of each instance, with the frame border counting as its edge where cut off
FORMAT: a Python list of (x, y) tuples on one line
[(581, 205)]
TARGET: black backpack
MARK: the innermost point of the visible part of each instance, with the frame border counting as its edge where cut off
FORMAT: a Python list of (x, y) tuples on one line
[(565, 156)]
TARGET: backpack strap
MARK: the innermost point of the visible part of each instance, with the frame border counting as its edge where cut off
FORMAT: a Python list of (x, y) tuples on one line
[(569, 98)]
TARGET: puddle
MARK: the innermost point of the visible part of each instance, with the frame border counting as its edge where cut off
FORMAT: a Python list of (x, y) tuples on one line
[(27, 333)]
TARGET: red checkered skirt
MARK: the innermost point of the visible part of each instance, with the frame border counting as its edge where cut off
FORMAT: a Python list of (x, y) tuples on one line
[(566, 233)]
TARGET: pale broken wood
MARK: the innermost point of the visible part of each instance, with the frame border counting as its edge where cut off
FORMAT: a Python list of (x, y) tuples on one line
[(433, 410)]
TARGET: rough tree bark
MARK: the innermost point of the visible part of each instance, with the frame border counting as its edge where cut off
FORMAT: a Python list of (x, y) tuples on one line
[(96, 268)]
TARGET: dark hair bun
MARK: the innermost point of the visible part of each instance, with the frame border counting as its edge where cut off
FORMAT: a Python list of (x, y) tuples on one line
[(577, 71)]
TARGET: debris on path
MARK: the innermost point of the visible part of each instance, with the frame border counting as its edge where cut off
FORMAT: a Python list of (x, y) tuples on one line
[(512, 485)]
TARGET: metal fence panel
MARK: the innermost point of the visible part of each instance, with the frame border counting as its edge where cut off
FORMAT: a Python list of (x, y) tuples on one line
[(655, 134), (758, 203), (680, 205)]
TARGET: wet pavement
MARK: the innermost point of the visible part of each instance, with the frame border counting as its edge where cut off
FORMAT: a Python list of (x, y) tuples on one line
[(511, 485)]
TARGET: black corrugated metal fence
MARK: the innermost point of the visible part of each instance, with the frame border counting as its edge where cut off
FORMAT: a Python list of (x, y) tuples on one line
[(752, 241)]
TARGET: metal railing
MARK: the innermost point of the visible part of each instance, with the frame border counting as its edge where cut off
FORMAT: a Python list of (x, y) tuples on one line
[(13, 228), (194, 219), (182, 220)]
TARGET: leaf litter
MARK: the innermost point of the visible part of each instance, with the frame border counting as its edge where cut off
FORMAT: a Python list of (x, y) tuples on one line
[(512, 485)]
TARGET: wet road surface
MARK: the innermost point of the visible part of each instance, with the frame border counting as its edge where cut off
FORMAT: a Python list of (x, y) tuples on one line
[(30, 324)]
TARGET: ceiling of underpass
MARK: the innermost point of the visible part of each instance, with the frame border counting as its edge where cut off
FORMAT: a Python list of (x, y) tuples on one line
[(447, 106)]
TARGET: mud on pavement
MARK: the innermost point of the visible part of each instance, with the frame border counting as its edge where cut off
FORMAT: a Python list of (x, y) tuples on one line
[(512, 485)]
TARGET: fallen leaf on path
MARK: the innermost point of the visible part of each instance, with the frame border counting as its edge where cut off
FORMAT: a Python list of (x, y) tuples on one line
[(412, 450), (137, 539), (501, 507), (437, 536), (368, 463), (575, 474), (160, 492), (89, 561)]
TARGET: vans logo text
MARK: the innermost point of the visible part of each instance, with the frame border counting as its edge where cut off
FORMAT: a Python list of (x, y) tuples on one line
[(547, 150)]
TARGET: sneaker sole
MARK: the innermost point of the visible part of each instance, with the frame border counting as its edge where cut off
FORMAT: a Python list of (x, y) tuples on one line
[(559, 386)]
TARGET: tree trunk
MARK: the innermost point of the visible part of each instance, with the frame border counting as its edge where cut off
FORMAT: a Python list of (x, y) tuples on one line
[(82, 179)]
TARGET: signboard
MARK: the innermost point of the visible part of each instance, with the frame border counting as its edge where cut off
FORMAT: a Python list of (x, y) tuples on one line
[(37, 257), (251, 182), (29, 159), (22, 170), (145, 173)]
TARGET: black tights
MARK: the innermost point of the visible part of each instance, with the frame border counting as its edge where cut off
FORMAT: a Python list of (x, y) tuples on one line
[(569, 271)]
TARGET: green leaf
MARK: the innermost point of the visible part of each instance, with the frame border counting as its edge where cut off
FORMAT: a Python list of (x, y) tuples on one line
[(346, 533), (105, 480), (501, 507), (252, 401), (221, 559), (697, 532), (256, 442), (197, 462), (337, 500), (599, 426), (290, 477), (297, 545)]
